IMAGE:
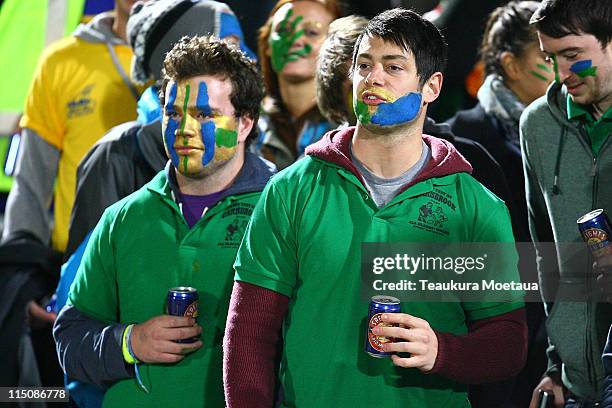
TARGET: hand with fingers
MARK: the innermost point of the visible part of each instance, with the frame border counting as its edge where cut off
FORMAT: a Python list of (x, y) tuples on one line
[(412, 335), (281, 41), (553, 385), (154, 340)]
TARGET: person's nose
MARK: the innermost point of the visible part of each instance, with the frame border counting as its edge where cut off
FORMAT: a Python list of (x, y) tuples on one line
[(188, 127), (563, 70), (376, 76)]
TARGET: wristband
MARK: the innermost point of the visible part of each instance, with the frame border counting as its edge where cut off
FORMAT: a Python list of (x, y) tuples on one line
[(130, 357), (126, 348)]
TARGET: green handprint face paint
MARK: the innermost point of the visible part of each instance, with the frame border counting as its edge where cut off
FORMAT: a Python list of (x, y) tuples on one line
[(298, 30), (283, 39)]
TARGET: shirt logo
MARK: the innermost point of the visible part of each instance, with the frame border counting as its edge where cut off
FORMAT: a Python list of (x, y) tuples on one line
[(238, 216), (83, 105), (433, 215)]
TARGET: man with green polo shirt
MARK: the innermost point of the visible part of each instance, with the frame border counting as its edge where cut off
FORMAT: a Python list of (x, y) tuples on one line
[(299, 266), (183, 228), (567, 156)]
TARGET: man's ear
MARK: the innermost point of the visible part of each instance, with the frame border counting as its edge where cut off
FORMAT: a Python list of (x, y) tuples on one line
[(245, 125), (432, 87), (510, 65)]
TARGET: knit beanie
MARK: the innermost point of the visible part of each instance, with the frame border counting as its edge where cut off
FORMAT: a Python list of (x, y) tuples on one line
[(155, 27)]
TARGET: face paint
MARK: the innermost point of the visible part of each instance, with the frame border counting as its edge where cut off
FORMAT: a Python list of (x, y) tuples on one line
[(281, 41), (171, 127), (556, 69), (584, 68), (541, 67), (207, 128), (212, 135), (183, 121), (395, 112)]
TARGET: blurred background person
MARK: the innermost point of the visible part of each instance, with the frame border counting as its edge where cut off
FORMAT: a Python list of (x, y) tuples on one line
[(517, 73), (78, 85), (130, 154), (288, 47)]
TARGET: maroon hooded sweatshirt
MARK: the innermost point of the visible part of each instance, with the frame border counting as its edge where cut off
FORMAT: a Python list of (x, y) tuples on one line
[(487, 353)]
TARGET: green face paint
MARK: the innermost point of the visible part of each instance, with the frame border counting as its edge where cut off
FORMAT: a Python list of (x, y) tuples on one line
[(538, 75), (283, 39), (183, 121), (226, 138), (362, 112), (544, 68), (556, 69)]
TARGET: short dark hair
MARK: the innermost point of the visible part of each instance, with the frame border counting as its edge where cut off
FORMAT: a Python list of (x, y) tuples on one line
[(333, 66), (207, 55), (408, 30), (558, 18), (507, 29)]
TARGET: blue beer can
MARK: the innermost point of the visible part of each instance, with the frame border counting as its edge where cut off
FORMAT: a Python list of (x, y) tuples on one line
[(378, 306), (183, 301), (596, 232)]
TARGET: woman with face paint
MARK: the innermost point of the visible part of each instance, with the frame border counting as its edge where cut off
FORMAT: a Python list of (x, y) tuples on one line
[(516, 74), (288, 47)]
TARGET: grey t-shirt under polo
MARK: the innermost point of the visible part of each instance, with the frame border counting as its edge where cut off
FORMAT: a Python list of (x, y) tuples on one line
[(384, 189)]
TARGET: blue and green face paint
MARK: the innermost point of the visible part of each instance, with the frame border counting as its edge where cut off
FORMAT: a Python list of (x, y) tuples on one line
[(281, 41), (395, 111), (194, 136), (584, 68)]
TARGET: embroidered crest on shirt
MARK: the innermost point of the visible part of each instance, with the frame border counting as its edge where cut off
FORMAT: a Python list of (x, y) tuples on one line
[(238, 216), (432, 215)]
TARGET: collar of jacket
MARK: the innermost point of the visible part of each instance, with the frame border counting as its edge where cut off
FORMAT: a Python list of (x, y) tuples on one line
[(253, 176), (445, 159)]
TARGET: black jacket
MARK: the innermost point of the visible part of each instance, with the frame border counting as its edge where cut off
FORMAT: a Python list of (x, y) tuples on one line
[(120, 163), (485, 169), (485, 129)]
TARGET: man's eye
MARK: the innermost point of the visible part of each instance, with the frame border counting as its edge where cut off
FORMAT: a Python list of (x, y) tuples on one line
[(203, 116), (362, 65), (172, 115), (394, 68)]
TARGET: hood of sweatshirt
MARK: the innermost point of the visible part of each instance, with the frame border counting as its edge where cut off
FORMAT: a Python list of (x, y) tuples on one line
[(556, 96), (99, 30), (445, 159)]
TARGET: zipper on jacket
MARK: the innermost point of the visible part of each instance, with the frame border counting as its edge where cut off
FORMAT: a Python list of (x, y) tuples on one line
[(590, 371)]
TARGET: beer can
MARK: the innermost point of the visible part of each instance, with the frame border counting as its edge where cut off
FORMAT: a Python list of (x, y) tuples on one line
[(378, 306), (183, 301), (596, 231)]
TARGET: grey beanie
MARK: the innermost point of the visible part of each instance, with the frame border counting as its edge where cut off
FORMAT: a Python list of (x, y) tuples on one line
[(154, 27)]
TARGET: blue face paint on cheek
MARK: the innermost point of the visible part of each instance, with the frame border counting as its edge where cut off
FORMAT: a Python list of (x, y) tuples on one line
[(171, 127), (403, 110), (584, 68), (208, 138), (581, 65)]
